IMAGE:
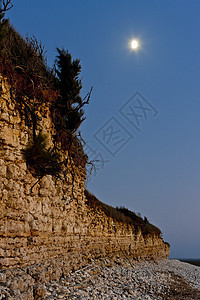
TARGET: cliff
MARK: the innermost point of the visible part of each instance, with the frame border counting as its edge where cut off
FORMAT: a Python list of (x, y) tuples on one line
[(51, 230)]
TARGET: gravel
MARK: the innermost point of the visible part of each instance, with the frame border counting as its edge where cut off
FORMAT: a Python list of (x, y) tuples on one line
[(108, 279), (128, 279)]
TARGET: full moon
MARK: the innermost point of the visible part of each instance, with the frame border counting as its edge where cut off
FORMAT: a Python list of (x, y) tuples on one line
[(134, 44)]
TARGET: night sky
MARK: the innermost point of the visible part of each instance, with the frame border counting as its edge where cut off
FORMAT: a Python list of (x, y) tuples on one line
[(143, 119)]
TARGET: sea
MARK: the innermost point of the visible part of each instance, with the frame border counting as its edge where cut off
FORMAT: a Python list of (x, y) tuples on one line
[(195, 262)]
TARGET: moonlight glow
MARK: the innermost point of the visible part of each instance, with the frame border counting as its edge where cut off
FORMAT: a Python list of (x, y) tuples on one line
[(134, 45)]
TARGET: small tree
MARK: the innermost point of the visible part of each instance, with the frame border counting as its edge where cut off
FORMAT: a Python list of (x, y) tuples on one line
[(41, 159), (70, 103), (5, 5)]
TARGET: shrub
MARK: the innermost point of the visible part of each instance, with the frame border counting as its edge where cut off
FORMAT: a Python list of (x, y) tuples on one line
[(68, 141), (122, 214), (40, 159), (25, 54), (23, 63)]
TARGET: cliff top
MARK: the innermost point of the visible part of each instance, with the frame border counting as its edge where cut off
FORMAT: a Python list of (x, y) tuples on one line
[(35, 87)]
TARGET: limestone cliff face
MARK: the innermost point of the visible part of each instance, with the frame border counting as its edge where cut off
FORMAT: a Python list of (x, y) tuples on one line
[(48, 225)]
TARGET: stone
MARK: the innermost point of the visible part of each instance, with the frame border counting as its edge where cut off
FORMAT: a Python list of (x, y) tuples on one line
[(39, 291), (2, 168), (49, 230), (2, 278), (4, 117), (4, 195), (12, 171), (33, 225)]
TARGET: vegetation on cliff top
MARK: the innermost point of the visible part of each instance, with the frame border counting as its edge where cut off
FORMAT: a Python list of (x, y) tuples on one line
[(42, 159), (33, 83), (122, 214)]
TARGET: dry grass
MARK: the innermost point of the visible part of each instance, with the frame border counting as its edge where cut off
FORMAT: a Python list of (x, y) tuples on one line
[(123, 215), (23, 63)]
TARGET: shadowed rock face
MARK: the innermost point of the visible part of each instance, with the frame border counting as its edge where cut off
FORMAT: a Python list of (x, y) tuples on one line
[(50, 229)]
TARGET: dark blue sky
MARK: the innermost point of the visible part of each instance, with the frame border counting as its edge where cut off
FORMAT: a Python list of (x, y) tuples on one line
[(157, 172)]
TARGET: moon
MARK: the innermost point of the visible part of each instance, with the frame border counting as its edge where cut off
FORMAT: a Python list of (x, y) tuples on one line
[(134, 44)]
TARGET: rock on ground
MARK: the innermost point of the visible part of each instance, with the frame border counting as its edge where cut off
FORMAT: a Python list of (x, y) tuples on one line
[(114, 279)]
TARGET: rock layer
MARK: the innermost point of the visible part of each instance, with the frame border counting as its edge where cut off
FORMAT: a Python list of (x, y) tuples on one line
[(51, 229)]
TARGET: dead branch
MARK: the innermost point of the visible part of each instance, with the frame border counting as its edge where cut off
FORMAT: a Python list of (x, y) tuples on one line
[(5, 5), (87, 97)]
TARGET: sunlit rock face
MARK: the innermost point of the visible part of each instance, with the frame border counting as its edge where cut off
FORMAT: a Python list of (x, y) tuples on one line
[(49, 229)]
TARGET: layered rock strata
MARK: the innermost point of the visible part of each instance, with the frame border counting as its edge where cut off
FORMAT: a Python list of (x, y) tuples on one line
[(48, 229)]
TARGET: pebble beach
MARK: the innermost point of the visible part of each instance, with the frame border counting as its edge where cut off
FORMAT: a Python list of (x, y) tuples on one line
[(109, 279), (128, 279)]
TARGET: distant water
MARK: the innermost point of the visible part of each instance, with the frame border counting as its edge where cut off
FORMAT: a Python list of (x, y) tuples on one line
[(195, 262)]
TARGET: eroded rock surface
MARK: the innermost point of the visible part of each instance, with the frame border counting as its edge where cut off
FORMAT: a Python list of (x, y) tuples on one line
[(49, 230)]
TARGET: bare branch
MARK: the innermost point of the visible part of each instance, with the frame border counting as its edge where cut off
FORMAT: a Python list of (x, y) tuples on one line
[(87, 97), (31, 189), (5, 5), (80, 105), (36, 45)]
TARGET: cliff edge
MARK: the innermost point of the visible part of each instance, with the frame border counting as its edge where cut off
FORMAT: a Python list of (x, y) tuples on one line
[(49, 221)]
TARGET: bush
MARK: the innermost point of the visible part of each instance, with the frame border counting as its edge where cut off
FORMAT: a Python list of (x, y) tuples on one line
[(69, 141), (122, 214), (40, 159), (23, 63), (24, 54)]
